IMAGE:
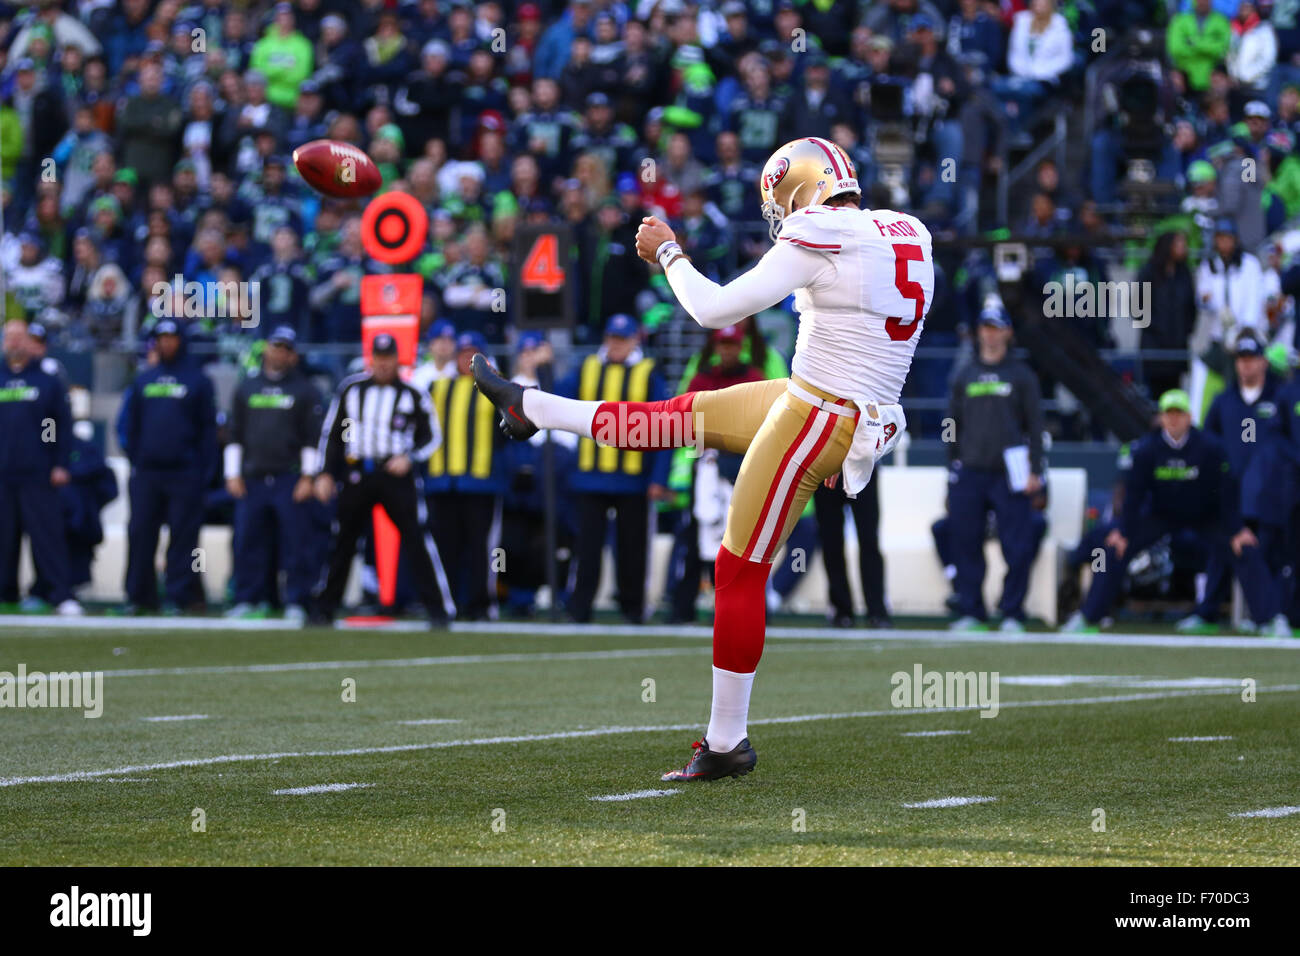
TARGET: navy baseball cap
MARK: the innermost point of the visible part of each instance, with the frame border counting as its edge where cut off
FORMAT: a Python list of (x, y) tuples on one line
[(1225, 225), (622, 325), (471, 340), (283, 335), (1247, 344), (442, 328), (166, 327), (529, 340), (995, 316), (597, 99), (383, 344)]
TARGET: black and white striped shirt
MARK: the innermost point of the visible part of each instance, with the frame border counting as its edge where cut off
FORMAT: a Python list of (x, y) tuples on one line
[(372, 422)]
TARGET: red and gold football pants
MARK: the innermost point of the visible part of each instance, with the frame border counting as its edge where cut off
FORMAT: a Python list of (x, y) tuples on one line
[(790, 447)]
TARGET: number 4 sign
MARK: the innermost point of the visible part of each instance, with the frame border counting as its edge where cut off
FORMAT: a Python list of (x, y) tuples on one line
[(541, 268)]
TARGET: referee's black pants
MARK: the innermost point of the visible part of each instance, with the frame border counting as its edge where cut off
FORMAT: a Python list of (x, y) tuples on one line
[(631, 536), (828, 506), (355, 507)]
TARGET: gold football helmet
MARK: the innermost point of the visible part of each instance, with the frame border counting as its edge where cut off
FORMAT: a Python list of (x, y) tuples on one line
[(803, 172)]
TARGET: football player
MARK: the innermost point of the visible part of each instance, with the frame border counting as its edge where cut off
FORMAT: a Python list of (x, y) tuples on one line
[(863, 281)]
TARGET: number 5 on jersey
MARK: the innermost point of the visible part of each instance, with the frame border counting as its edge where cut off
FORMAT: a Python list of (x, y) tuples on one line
[(901, 329)]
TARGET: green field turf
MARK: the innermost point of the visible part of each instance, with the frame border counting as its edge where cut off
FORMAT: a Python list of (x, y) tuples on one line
[(846, 770)]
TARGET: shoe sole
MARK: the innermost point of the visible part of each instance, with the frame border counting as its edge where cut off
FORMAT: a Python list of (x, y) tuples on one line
[(739, 772)]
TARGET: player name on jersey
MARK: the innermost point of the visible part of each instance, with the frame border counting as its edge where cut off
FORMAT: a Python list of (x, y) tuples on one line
[(897, 228)]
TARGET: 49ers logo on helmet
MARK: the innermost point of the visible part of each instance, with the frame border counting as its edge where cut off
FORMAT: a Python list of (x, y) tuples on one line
[(775, 174)]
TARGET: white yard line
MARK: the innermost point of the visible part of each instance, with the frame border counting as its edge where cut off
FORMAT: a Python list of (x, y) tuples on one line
[(934, 733), (320, 788), (430, 720), (944, 802), (634, 795), (90, 625), (1270, 812), (599, 732), (175, 717), (445, 660), (1195, 740), (1115, 680)]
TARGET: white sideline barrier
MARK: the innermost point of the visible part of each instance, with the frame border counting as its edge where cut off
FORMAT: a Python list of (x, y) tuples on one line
[(911, 500)]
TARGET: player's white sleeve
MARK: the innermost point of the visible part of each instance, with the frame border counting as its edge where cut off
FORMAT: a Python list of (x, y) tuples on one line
[(785, 268)]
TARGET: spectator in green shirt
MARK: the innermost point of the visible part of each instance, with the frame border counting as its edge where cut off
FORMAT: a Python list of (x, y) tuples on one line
[(284, 56), (1197, 42)]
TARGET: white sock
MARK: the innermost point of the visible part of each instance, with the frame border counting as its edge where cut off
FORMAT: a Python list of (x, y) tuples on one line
[(730, 709), (554, 411)]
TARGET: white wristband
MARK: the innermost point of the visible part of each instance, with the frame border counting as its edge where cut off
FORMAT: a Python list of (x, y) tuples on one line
[(668, 247), (233, 461)]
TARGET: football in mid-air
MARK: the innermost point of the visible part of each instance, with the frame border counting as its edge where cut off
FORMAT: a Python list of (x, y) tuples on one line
[(337, 169)]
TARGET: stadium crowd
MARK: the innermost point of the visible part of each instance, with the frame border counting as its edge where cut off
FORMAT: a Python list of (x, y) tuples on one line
[(142, 140)]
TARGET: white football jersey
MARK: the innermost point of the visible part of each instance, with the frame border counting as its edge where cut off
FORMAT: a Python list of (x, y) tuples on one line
[(861, 316)]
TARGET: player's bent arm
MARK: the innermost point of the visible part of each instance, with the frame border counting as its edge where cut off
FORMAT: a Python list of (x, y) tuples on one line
[(783, 269)]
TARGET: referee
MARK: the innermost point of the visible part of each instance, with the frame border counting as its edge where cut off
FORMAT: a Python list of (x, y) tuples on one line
[(377, 427)]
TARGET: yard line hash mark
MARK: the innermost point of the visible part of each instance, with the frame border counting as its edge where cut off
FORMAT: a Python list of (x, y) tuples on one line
[(1270, 812), (944, 802), (320, 788), (634, 795)]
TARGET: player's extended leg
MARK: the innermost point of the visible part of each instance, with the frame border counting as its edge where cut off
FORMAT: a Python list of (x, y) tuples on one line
[(727, 418), (798, 446)]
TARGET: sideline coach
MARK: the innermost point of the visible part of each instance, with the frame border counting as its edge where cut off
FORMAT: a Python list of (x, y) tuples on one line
[(275, 423)]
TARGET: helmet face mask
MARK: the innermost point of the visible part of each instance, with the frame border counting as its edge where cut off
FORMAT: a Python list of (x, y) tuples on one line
[(803, 172)]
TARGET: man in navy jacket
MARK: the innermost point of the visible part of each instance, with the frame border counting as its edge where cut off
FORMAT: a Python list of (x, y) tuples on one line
[(37, 429), (168, 428), (1249, 421), (1177, 484)]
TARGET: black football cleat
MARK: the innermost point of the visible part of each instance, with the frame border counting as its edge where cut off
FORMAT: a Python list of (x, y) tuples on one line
[(506, 395), (707, 765)]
